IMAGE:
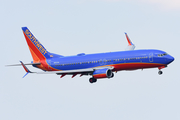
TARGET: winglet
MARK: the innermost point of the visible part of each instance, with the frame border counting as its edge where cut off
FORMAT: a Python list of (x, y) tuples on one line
[(129, 41), (25, 74), (131, 46), (25, 68)]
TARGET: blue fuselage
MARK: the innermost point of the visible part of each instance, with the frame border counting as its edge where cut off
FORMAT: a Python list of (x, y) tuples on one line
[(123, 60)]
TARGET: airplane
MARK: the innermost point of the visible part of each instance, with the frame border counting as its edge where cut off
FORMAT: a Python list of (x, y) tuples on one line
[(99, 65)]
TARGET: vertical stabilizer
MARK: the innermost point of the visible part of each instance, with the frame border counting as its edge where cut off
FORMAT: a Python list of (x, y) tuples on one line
[(37, 50)]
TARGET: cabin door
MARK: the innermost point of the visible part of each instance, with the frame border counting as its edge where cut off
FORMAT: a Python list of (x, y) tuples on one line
[(151, 57)]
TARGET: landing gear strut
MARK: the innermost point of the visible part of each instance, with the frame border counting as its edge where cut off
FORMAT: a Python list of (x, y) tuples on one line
[(92, 80), (160, 72)]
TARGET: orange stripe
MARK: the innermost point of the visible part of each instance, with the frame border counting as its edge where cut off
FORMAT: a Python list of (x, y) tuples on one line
[(98, 76), (34, 56), (36, 59), (128, 39)]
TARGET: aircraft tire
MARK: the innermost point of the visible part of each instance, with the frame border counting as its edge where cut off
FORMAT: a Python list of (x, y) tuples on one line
[(160, 72), (92, 80)]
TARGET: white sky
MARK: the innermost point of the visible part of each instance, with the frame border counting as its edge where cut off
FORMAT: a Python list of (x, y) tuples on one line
[(163, 4), (89, 26)]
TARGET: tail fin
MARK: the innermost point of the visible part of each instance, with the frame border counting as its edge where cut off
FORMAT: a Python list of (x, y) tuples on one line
[(37, 50)]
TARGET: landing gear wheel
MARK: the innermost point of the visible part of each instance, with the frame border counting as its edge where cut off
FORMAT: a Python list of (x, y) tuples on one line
[(160, 72), (95, 80), (92, 80)]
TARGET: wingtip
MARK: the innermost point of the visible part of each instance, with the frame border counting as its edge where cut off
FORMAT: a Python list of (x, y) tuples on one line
[(25, 68), (25, 74), (21, 63)]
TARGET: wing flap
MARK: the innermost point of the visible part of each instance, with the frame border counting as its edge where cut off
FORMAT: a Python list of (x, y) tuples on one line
[(65, 72), (89, 70)]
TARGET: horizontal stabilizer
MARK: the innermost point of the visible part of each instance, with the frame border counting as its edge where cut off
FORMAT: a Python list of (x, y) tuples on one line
[(25, 64)]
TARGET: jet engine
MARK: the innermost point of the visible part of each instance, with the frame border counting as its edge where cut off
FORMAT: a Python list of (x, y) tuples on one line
[(103, 73)]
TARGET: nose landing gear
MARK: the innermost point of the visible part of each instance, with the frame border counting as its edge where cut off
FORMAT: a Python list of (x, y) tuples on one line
[(160, 72)]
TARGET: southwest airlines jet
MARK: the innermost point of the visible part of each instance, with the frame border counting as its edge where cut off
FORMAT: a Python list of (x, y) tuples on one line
[(100, 65)]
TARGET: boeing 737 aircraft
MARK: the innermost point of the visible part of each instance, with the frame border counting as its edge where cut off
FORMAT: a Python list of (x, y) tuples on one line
[(100, 65)]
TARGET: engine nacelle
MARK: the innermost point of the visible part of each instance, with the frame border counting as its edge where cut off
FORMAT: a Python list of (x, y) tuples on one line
[(103, 73)]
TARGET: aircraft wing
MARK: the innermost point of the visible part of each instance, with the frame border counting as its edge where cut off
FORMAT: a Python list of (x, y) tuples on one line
[(65, 72), (88, 70)]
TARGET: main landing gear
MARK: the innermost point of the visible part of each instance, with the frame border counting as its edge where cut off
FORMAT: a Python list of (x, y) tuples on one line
[(92, 80), (160, 72)]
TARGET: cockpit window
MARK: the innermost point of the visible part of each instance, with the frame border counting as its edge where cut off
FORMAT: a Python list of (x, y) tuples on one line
[(160, 55)]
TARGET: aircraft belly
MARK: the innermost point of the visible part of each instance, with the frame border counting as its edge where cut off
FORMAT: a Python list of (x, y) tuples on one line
[(134, 66)]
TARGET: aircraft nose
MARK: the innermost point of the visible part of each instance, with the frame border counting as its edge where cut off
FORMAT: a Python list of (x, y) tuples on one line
[(170, 59)]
